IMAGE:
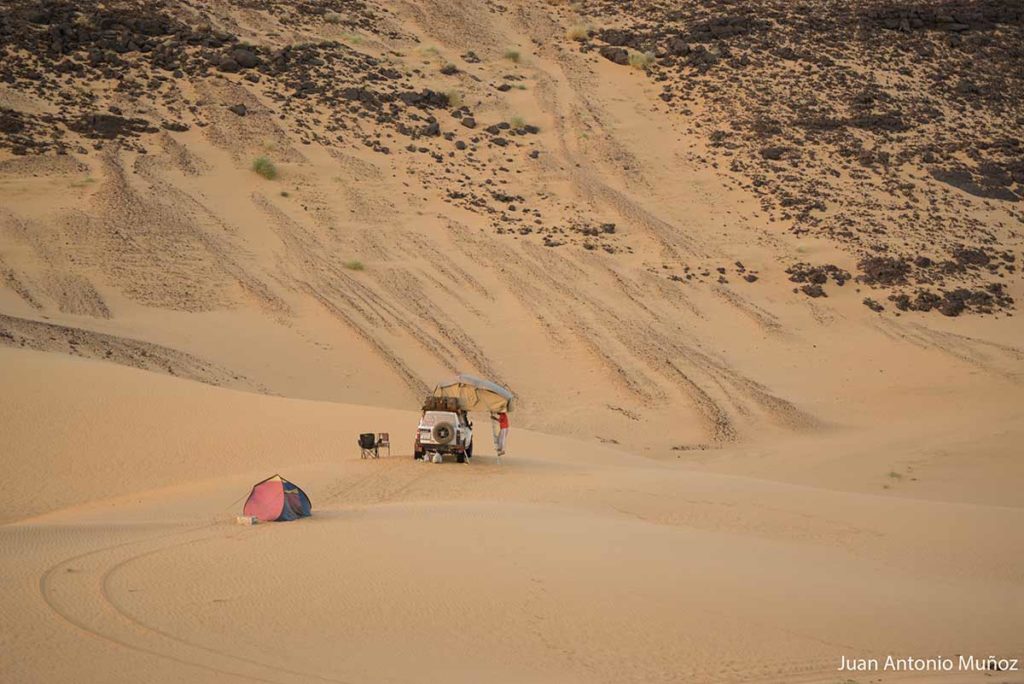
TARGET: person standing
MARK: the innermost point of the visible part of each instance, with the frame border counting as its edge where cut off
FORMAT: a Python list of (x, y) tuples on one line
[(502, 432)]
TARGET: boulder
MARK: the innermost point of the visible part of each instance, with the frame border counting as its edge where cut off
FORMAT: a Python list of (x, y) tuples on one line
[(245, 58), (615, 54)]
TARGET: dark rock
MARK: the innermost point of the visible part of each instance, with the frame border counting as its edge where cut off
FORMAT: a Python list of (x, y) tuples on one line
[(245, 58), (952, 304), (239, 109), (615, 54), (925, 301), (817, 275), (678, 47), (109, 126), (468, 122), (971, 256), (963, 179), (11, 121), (885, 271), (813, 291), (873, 305)]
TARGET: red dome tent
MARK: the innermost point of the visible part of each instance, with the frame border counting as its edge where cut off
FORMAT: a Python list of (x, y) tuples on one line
[(277, 499)]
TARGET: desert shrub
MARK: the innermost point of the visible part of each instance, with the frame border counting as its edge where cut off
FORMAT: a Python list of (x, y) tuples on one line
[(455, 99), (641, 60), (513, 55), (332, 17), (517, 122), (579, 32), (265, 168), (355, 265)]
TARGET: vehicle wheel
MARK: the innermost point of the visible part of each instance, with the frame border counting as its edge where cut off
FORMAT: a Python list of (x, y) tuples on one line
[(460, 458), (443, 433)]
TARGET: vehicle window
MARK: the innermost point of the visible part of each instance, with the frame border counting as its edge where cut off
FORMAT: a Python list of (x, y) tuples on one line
[(431, 418)]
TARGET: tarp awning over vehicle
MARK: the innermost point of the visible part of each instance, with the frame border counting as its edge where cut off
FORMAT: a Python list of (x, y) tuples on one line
[(476, 394)]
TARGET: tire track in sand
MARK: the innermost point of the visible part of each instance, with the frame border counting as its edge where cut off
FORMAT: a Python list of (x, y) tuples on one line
[(75, 602)]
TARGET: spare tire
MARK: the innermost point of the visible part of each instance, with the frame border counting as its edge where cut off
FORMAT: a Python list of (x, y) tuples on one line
[(443, 433)]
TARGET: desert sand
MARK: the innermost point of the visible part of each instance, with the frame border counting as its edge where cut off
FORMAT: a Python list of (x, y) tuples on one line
[(720, 468)]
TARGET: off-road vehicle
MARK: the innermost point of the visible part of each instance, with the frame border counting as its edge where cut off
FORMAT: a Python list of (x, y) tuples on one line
[(443, 429)]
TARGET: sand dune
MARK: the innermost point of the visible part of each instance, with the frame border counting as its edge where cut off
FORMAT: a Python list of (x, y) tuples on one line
[(724, 466), (570, 562)]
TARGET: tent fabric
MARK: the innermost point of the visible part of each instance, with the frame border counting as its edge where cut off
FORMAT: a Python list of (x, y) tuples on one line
[(277, 499), (476, 394)]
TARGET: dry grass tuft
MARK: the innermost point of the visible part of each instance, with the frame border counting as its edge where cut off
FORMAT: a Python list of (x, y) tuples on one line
[(641, 60), (265, 168), (579, 32)]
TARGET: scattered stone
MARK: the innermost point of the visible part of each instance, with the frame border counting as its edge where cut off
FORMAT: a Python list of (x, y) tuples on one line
[(813, 290), (110, 126), (885, 271)]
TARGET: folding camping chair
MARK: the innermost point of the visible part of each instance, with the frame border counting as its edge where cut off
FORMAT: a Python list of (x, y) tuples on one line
[(368, 445), (384, 440)]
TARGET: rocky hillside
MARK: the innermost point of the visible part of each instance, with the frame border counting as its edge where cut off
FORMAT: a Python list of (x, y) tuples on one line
[(661, 209), (894, 129)]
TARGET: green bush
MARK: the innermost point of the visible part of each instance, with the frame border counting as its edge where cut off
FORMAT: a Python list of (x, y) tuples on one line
[(265, 168), (513, 55), (355, 265)]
